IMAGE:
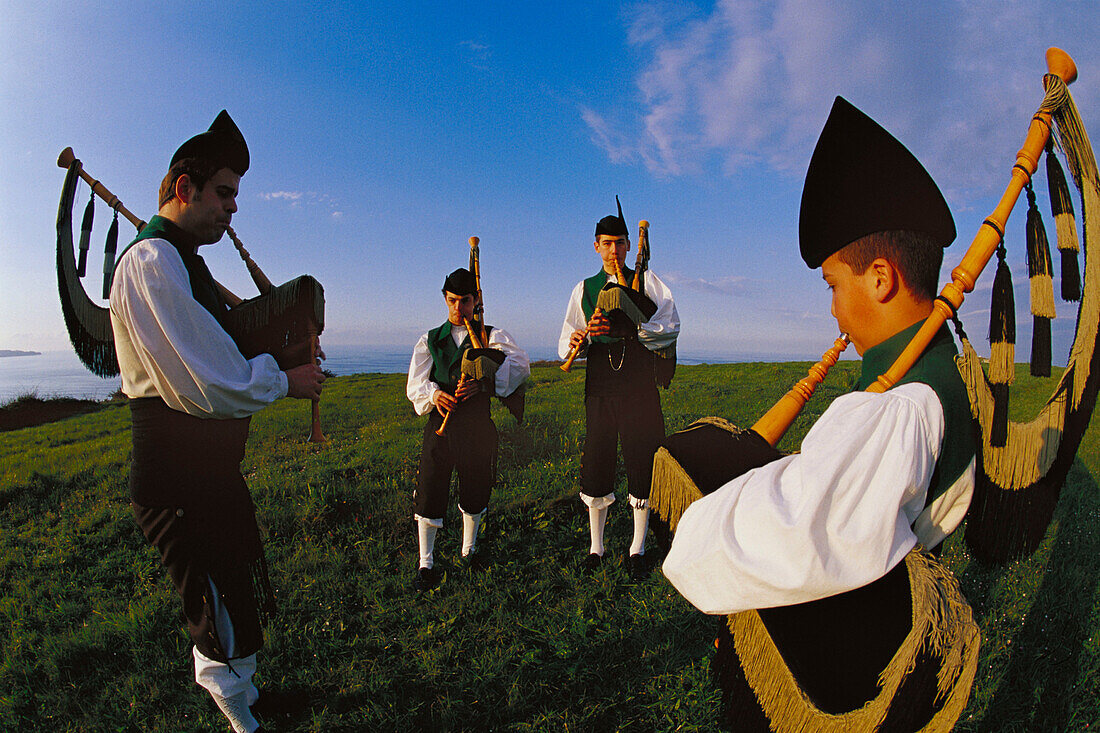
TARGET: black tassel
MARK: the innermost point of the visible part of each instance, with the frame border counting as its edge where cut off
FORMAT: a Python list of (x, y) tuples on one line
[(85, 237), (109, 256), (1002, 347), (998, 429), (1071, 275), (1040, 347), (1038, 261), (1061, 206)]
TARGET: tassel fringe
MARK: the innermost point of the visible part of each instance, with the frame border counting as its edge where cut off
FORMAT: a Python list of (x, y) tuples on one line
[(1038, 261), (998, 426), (1040, 347), (1031, 447), (85, 237), (109, 249), (88, 324), (1071, 276), (943, 624), (1002, 369), (1002, 325), (1065, 227), (1042, 296), (672, 490)]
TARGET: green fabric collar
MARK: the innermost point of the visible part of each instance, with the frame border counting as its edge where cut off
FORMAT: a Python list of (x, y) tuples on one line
[(879, 357), (203, 288), (166, 229)]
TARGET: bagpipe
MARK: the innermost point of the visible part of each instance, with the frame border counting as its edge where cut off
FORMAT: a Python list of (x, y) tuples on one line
[(626, 306), (284, 320), (481, 362), (1021, 466)]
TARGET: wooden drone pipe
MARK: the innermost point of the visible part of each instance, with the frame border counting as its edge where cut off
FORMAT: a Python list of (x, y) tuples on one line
[(66, 158), (964, 277)]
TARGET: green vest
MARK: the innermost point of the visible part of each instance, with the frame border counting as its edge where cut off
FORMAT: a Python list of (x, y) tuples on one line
[(936, 367), (446, 357), (591, 292)]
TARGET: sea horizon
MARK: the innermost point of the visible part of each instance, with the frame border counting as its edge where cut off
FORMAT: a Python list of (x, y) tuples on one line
[(59, 373)]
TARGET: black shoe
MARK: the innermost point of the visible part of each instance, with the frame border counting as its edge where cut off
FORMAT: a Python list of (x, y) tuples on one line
[(591, 563), (637, 566), (426, 579), (475, 561)]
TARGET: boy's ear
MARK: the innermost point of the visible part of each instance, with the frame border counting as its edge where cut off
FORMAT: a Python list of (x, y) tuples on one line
[(885, 279)]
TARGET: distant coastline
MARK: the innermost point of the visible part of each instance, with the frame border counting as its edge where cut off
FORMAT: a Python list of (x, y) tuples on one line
[(11, 352)]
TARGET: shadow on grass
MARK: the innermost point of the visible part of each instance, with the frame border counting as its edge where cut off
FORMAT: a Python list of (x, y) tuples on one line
[(1035, 691)]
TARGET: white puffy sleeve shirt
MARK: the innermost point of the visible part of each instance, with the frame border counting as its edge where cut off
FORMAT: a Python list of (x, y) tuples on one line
[(169, 346), (512, 372), (657, 333), (824, 521)]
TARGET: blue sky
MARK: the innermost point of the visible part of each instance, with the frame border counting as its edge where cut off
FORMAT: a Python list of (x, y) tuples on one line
[(384, 134)]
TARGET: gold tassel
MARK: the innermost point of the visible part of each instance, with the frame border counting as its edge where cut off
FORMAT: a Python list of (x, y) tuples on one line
[(1038, 261), (1065, 227), (1002, 324), (1002, 346), (942, 622), (671, 491)]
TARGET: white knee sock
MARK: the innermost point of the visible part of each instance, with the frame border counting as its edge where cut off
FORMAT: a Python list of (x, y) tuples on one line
[(641, 524), (231, 688), (426, 530), (597, 519), (230, 684), (471, 523), (235, 709)]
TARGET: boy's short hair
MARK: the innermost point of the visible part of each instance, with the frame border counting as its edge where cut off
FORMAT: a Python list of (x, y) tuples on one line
[(199, 170), (916, 255)]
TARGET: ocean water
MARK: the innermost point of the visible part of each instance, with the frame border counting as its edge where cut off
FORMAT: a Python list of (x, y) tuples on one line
[(60, 373)]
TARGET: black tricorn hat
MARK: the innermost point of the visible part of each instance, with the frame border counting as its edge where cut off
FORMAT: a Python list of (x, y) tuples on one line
[(613, 226), (460, 282), (223, 144), (861, 180)]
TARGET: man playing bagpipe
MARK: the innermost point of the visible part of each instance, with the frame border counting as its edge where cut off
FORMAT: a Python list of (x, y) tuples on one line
[(852, 625), (620, 387), (191, 394), (452, 374)]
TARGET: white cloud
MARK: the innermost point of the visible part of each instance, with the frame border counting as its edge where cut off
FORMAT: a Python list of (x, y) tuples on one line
[(292, 196), (479, 54), (732, 285), (618, 148), (296, 199), (751, 81)]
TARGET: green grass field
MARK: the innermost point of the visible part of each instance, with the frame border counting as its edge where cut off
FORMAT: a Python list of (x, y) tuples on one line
[(92, 636)]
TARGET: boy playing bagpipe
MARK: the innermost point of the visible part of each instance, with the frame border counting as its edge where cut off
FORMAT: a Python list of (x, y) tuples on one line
[(621, 401), (453, 380), (817, 556)]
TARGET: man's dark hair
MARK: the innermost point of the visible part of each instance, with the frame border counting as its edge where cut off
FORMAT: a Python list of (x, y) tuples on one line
[(199, 170), (916, 256)]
